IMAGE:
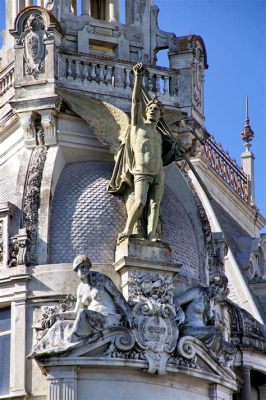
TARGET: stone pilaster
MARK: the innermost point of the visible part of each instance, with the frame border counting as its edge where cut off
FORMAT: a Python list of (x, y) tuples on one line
[(218, 392), (18, 338), (62, 383)]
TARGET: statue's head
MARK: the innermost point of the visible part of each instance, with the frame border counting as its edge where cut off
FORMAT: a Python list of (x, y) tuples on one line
[(34, 22), (218, 286), (154, 110), (82, 265)]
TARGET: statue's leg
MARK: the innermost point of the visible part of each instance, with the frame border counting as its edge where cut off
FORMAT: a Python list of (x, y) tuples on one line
[(154, 201), (141, 188)]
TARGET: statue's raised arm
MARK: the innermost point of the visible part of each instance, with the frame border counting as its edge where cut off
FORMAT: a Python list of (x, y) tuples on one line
[(136, 108)]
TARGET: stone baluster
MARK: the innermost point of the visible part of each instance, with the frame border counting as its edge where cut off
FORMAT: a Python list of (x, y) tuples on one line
[(165, 85), (85, 72), (101, 74), (69, 69), (9, 77), (109, 75), (157, 83), (150, 85), (127, 78), (93, 72), (5, 84), (77, 70), (113, 10)]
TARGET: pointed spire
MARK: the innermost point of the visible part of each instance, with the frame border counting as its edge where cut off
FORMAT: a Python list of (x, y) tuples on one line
[(247, 134)]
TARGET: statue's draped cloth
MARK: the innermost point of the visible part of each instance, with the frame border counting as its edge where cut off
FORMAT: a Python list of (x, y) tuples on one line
[(122, 174)]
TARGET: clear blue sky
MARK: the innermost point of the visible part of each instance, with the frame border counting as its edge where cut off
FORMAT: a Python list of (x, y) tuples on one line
[(234, 32)]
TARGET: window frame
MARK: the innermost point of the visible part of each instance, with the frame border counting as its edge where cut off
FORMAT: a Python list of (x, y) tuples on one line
[(7, 333)]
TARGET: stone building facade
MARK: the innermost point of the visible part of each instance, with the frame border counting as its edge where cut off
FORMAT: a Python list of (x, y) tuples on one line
[(66, 85)]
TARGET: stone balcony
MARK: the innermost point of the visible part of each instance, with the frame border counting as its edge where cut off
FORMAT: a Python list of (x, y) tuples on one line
[(102, 76)]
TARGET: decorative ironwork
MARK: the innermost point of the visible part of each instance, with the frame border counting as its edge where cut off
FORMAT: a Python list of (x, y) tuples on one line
[(226, 167)]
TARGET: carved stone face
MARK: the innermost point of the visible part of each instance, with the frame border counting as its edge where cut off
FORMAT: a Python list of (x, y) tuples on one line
[(153, 113), (83, 270)]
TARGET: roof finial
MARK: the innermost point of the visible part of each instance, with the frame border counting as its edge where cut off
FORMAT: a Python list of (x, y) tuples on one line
[(247, 134)]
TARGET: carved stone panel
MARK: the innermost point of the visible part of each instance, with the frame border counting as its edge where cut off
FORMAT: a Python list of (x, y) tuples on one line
[(34, 47), (156, 333)]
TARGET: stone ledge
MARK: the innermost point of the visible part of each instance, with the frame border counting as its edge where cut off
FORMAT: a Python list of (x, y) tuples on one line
[(147, 265), (144, 249)]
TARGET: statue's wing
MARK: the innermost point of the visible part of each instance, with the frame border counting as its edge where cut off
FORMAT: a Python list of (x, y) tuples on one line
[(110, 124)]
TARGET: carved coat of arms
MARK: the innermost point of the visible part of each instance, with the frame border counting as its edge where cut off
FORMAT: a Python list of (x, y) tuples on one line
[(34, 48), (156, 333)]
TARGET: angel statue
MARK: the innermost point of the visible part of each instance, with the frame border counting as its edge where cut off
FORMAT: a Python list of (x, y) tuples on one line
[(139, 172), (141, 150)]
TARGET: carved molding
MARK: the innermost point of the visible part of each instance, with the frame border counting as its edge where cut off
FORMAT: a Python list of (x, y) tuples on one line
[(146, 285), (32, 198)]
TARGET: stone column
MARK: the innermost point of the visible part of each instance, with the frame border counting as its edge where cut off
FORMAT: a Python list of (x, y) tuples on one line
[(12, 9), (85, 7), (28, 3), (74, 7), (113, 10), (246, 388)]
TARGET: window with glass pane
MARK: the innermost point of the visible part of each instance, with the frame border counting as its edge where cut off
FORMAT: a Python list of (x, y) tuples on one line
[(5, 326)]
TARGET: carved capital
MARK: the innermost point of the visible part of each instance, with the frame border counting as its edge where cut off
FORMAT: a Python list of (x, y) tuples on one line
[(28, 126), (48, 122), (18, 254)]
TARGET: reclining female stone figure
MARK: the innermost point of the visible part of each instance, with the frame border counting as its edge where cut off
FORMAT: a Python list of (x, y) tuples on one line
[(98, 303)]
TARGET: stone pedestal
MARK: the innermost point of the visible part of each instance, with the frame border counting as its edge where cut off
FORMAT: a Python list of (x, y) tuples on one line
[(147, 259)]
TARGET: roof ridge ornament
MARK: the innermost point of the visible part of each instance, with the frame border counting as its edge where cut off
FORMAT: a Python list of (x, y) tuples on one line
[(247, 134)]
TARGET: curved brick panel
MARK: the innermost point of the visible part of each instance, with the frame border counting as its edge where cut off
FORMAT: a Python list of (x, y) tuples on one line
[(178, 232), (8, 189), (86, 219)]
